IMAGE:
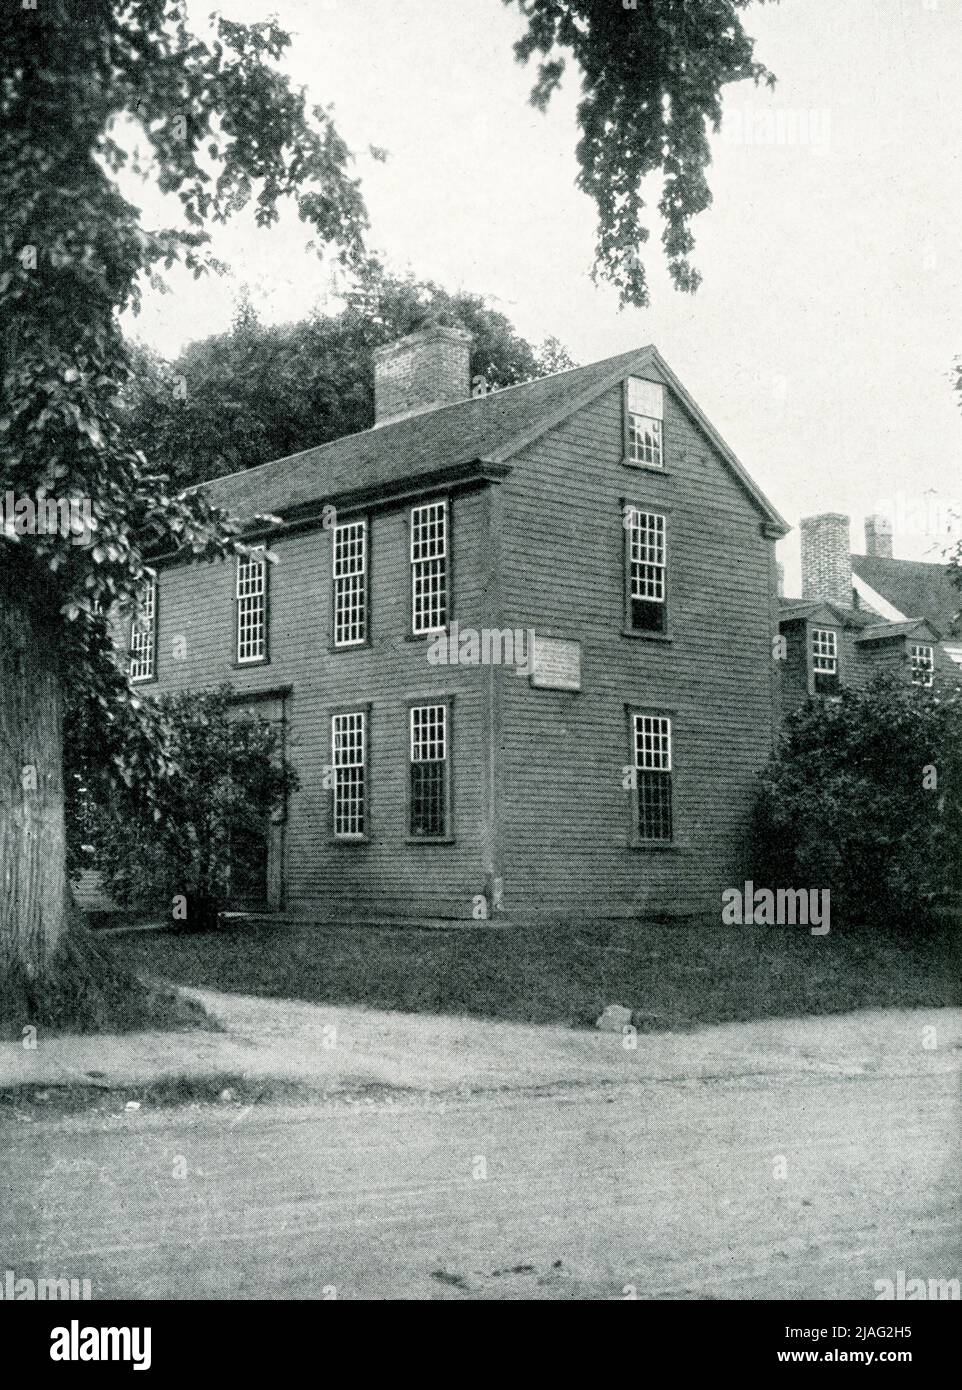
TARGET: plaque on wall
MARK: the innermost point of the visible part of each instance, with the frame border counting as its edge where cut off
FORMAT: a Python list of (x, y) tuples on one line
[(557, 664)]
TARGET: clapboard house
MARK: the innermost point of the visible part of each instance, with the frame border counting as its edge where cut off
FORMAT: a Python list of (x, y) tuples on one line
[(842, 632), (519, 644)]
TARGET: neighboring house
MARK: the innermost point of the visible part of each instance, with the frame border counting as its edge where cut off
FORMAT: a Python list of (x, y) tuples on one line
[(900, 589), (838, 634), (519, 644)]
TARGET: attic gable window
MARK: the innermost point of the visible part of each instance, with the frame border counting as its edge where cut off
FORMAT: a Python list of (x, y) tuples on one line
[(825, 660), (647, 564), (923, 665), (350, 584), (429, 567), (143, 646), (644, 420), (251, 609)]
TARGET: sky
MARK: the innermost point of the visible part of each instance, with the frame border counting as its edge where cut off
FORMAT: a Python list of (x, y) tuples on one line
[(821, 340)]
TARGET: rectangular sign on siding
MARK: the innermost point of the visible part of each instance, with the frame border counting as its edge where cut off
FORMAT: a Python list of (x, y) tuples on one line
[(557, 664)]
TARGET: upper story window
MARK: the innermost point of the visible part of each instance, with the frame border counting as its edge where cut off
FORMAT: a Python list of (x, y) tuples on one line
[(923, 665), (349, 759), (251, 609), (644, 422), (647, 566), (429, 771), (653, 770), (825, 659), (350, 584), (143, 645), (429, 567)]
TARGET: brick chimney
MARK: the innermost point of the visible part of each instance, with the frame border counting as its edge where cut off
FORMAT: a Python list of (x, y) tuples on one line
[(426, 369), (780, 578), (826, 561), (878, 536)]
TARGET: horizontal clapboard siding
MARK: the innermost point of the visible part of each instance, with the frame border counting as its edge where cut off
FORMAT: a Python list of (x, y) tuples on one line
[(387, 876), (565, 813)]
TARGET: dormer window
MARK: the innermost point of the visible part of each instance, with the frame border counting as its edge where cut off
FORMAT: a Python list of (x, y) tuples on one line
[(825, 660), (644, 420), (923, 665)]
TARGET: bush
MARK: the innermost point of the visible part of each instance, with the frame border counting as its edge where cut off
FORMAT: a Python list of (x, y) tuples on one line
[(168, 840), (864, 797)]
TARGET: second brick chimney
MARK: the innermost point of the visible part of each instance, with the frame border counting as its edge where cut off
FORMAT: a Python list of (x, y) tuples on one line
[(826, 559), (426, 369), (878, 536)]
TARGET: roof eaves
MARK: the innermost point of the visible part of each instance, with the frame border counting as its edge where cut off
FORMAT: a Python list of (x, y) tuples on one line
[(775, 518), (552, 417)]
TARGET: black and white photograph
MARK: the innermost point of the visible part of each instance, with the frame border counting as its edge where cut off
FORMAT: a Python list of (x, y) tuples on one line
[(481, 666)]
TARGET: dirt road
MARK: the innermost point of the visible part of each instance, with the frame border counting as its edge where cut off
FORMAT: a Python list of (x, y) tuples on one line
[(763, 1184)]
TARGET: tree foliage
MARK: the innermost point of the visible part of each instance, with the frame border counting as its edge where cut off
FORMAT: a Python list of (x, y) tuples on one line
[(652, 77), (864, 797), (171, 833), (224, 127), (89, 88), (260, 392)]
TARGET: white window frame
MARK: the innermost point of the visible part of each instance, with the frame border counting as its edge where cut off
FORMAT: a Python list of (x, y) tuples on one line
[(647, 555), (429, 742), (349, 793), (824, 651), (922, 656), (143, 646), (651, 737), (251, 595), (430, 600), (645, 422), (349, 578)]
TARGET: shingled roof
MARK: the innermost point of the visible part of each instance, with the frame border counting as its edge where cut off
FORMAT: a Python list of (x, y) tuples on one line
[(793, 609), (916, 588), (487, 430), (883, 632)]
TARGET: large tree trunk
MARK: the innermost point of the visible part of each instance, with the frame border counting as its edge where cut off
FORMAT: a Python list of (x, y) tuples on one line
[(35, 896)]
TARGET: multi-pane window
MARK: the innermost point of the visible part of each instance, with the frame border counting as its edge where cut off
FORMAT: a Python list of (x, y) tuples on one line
[(824, 651), (645, 418), (645, 533), (429, 567), (142, 644), (348, 748), (652, 760), (825, 659), (429, 770), (350, 584), (251, 608), (923, 665)]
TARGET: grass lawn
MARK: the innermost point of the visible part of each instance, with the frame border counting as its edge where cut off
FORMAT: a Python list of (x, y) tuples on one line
[(672, 976)]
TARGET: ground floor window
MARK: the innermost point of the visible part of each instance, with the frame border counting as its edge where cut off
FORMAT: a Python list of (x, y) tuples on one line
[(348, 756), (653, 773), (429, 797)]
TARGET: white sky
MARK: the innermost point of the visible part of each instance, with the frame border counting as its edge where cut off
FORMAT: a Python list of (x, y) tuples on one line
[(831, 310)]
